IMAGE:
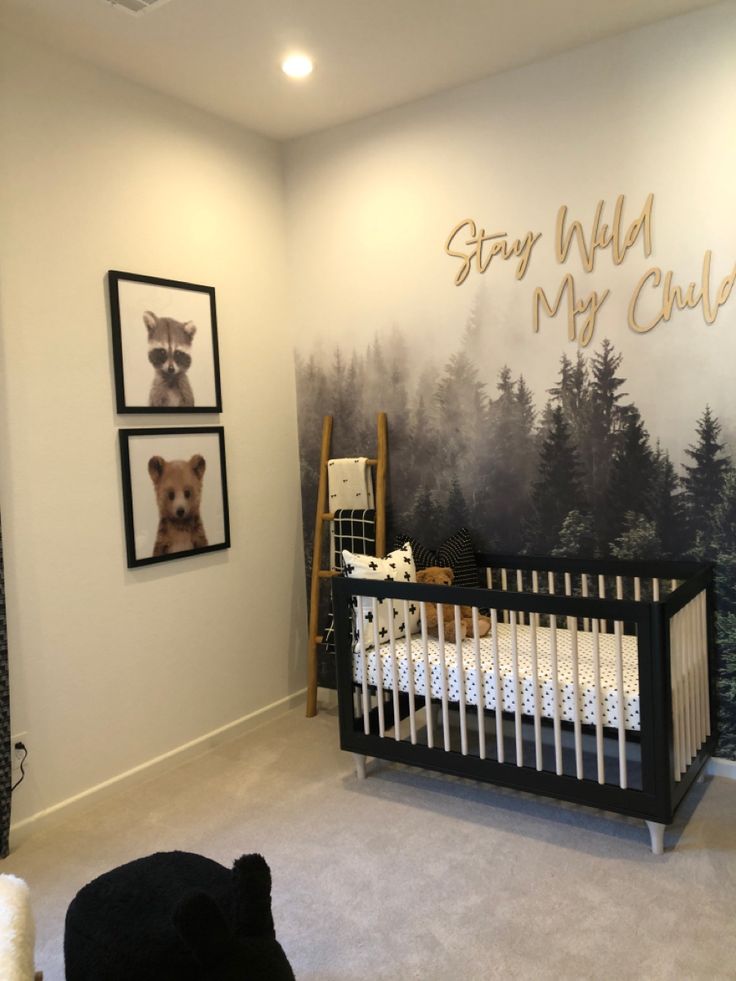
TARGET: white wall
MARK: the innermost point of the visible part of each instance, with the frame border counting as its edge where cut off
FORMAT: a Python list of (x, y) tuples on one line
[(371, 203), (111, 667)]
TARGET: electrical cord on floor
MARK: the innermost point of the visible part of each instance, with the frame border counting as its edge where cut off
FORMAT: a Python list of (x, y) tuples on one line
[(20, 747)]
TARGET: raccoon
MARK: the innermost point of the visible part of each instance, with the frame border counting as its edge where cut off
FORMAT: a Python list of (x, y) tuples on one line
[(169, 346)]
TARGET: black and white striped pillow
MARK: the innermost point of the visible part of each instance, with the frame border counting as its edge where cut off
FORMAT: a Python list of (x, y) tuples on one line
[(456, 552)]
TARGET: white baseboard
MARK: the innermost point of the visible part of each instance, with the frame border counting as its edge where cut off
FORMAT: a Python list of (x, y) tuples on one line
[(720, 767), (21, 830)]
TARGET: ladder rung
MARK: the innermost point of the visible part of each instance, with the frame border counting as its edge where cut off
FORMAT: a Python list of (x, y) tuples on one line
[(327, 573), (370, 462)]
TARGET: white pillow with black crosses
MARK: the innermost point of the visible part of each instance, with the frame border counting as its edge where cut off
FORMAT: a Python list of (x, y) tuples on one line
[(398, 566)]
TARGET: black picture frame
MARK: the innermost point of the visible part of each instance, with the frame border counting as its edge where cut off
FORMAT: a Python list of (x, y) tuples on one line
[(186, 378), (154, 530)]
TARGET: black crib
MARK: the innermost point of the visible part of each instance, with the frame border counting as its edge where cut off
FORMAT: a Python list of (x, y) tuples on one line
[(594, 683)]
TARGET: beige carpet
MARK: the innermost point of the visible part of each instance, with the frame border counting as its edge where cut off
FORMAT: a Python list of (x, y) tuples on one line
[(413, 875)]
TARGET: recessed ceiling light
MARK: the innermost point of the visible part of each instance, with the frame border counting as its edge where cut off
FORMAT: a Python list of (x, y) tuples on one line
[(297, 66)]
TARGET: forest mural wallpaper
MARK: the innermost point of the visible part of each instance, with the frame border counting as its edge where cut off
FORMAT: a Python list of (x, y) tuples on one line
[(574, 472), (548, 320)]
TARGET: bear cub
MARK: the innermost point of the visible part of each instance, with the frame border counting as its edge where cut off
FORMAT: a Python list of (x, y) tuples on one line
[(178, 488)]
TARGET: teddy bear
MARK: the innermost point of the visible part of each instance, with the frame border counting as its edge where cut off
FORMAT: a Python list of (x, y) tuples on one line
[(178, 488), (175, 915), (444, 577)]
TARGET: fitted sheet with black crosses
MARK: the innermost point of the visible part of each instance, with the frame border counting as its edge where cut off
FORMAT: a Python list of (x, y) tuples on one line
[(586, 673)]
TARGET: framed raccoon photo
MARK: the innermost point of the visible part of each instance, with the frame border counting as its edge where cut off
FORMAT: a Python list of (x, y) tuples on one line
[(174, 493), (164, 342)]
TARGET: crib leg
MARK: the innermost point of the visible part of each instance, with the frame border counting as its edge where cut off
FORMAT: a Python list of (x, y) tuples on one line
[(656, 835), (359, 766)]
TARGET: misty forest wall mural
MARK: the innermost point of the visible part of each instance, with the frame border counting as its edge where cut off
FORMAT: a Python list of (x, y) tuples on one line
[(571, 470), (534, 276)]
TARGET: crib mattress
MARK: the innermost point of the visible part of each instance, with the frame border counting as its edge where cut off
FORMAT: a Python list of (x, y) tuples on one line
[(523, 694)]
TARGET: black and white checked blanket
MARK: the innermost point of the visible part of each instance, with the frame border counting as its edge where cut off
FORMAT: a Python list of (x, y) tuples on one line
[(355, 530)]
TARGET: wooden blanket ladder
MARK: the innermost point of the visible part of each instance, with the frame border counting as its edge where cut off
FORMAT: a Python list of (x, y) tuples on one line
[(320, 575)]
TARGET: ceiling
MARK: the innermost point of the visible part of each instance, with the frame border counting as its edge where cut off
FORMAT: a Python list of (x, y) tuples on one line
[(224, 55)]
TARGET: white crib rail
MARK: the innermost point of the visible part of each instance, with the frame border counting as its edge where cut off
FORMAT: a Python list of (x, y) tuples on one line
[(689, 673)]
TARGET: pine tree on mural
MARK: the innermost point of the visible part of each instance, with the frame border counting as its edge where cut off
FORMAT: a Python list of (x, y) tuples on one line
[(667, 506), (513, 453), (724, 548), (630, 481), (457, 514), (576, 536), (704, 481), (462, 404), (606, 414), (637, 539), (572, 394), (558, 489)]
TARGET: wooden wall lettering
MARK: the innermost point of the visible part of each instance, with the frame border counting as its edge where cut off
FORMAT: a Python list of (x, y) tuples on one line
[(617, 238), (674, 297), (484, 248)]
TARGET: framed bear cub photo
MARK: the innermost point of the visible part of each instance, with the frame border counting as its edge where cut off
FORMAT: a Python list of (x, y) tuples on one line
[(164, 342), (174, 493)]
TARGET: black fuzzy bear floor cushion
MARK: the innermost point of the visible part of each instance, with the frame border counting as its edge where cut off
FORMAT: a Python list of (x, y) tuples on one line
[(175, 916)]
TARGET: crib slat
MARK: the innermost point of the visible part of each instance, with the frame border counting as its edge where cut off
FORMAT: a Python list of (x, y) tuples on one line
[(619, 588), (584, 591), (394, 673), (379, 670), (637, 589), (537, 696), (505, 587), (622, 770), (517, 692), (689, 687), (480, 686), (682, 636), (550, 590), (443, 669), (702, 668), (686, 690), (535, 589), (497, 686), (410, 672), (600, 756), (602, 595), (573, 628), (556, 694), (427, 675), (704, 663), (676, 698), (461, 682), (655, 590), (364, 674), (520, 589), (697, 704)]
